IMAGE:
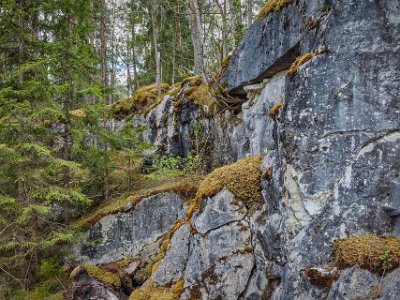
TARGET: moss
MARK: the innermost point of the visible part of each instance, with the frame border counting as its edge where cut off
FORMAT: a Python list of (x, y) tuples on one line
[(200, 95), (247, 249), (143, 98), (125, 262), (75, 271), (177, 288), (272, 6), (103, 276), (377, 254), (300, 61), (186, 187), (196, 92), (274, 110), (303, 59), (241, 178), (150, 292)]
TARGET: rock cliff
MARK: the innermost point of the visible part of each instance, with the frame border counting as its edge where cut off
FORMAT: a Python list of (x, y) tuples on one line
[(318, 127)]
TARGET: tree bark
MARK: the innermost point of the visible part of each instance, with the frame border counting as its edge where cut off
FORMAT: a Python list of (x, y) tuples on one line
[(195, 29), (151, 8), (103, 49), (249, 13), (21, 54), (232, 28)]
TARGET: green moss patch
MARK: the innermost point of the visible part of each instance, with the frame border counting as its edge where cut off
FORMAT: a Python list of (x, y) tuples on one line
[(377, 254), (105, 277)]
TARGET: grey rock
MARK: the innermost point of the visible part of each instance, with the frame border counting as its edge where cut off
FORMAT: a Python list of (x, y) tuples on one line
[(173, 265), (391, 286), (220, 263), (218, 210), (123, 235), (355, 283), (332, 160)]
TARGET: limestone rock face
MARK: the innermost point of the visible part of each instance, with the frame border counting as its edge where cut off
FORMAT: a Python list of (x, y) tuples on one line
[(331, 166), (119, 236)]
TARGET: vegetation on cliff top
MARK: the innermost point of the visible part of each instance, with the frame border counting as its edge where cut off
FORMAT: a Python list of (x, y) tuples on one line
[(192, 88)]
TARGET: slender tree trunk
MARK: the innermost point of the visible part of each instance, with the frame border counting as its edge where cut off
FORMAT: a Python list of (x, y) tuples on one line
[(128, 67), (173, 59), (103, 50), (249, 13), (21, 53), (195, 29), (232, 28), (67, 140), (222, 11), (113, 60), (133, 49), (157, 55)]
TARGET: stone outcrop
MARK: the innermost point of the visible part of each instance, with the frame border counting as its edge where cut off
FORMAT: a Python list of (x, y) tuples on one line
[(330, 134)]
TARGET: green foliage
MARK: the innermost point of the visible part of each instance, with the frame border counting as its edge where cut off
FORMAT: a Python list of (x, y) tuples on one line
[(172, 166)]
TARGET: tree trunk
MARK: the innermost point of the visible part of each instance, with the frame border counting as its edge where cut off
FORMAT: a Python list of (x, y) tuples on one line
[(151, 8), (249, 13), (104, 86), (195, 29), (232, 28), (21, 53)]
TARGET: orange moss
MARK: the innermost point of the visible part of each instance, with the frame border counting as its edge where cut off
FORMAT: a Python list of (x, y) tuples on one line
[(274, 110), (303, 59)]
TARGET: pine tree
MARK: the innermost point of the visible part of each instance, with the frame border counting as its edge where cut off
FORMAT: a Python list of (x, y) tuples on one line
[(33, 183)]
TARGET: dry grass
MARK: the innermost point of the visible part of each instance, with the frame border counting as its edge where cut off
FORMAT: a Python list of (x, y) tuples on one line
[(377, 254)]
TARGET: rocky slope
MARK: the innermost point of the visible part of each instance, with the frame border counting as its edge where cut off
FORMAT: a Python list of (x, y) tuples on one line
[(319, 86)]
